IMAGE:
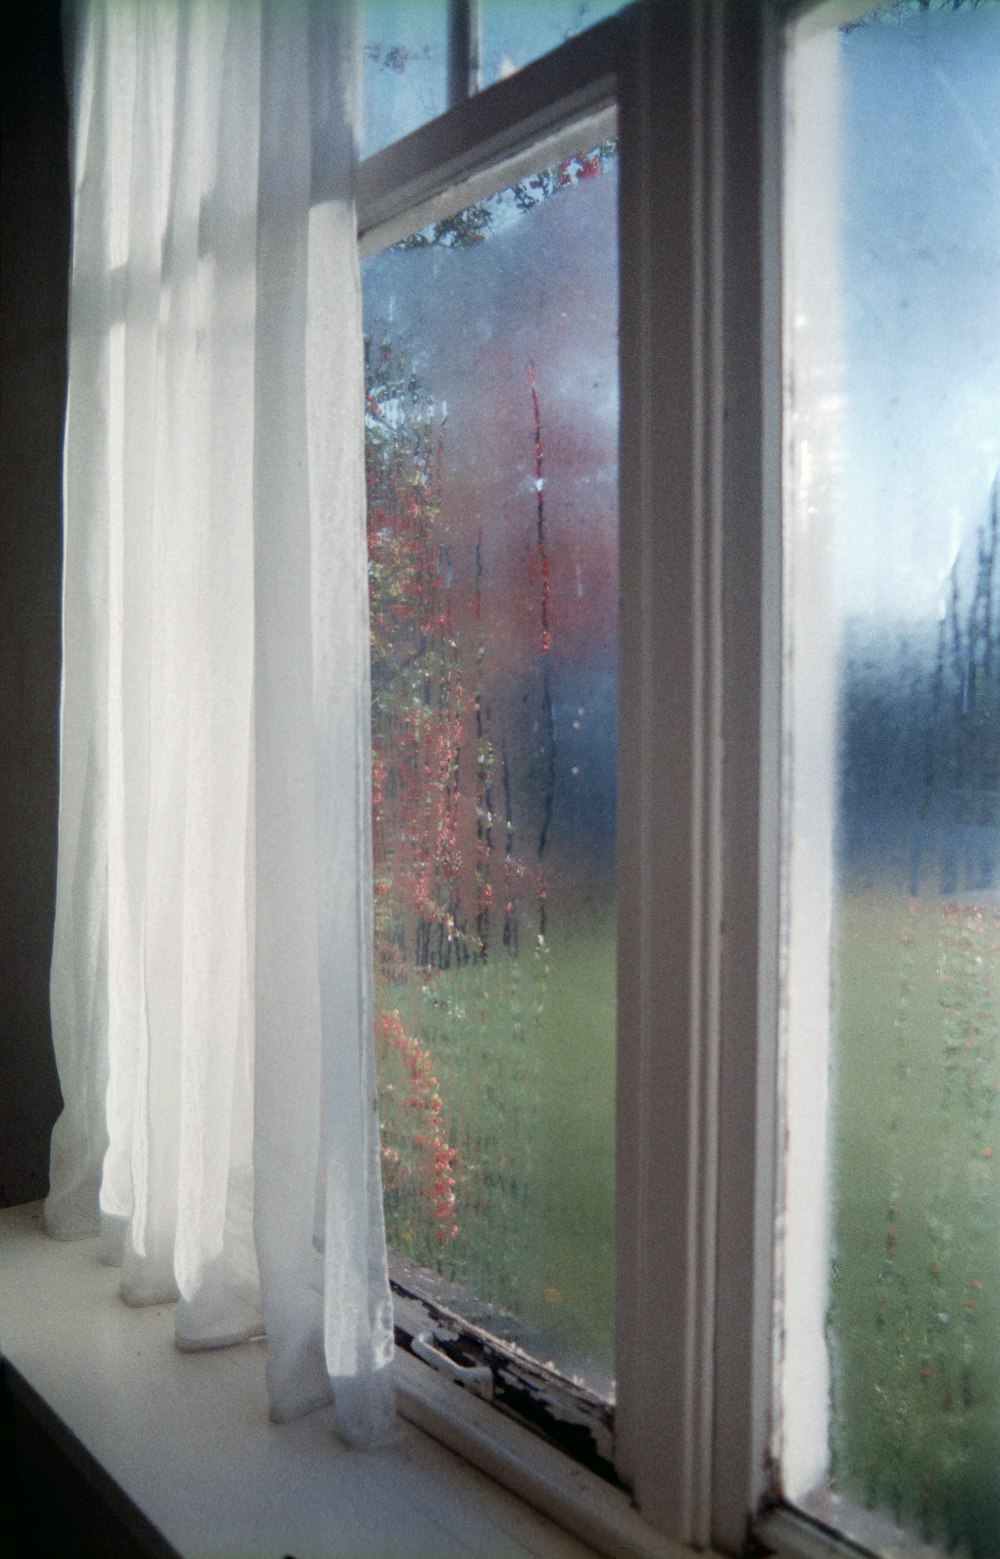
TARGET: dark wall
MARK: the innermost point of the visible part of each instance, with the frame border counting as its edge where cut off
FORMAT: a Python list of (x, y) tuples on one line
[(34, 259), (57, 1491)]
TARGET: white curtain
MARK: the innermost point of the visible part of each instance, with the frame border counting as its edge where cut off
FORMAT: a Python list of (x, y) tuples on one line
[(211, 984)]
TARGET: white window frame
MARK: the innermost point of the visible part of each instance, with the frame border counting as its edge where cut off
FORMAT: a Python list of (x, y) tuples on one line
[(696, 86)]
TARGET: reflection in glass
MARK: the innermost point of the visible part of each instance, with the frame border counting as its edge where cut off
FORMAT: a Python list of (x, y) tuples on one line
[(894, 632), (491, 464)]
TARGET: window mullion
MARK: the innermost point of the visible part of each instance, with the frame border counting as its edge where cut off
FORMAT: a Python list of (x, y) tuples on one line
[(750, 382), (698, 823), (464, 22), (670, 755)]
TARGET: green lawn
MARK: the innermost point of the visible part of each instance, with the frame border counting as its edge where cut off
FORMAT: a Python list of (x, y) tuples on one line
[(914, 1326), (522, 1053), (522, 1050)]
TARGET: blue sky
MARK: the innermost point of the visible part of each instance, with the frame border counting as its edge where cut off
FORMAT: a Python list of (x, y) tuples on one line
[(920, 264)]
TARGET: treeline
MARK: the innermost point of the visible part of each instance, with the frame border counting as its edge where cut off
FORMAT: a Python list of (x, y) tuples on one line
[(919, 736)]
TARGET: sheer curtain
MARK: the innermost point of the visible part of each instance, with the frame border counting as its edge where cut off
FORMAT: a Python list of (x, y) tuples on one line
[(211, 984)]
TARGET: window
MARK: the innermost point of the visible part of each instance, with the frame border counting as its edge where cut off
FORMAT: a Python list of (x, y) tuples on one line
[(492, 441), (492, 501), (691, 1392), (710, 1434), (421, 56), (698, 650), (892, 1333), (692, 94), (491, 414)]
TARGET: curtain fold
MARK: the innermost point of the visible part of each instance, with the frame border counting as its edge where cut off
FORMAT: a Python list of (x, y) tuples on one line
[(211, 983)]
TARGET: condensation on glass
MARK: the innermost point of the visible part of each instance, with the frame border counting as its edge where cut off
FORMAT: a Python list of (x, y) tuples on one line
[(405, 68), (891, 1336), (515, 32), (492, 424), (406, 53)]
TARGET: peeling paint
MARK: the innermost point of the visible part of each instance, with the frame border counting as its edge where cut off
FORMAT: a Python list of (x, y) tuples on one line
[(566, 1414)]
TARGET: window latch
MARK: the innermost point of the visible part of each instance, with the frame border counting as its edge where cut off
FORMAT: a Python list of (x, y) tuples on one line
[(477, 1378)]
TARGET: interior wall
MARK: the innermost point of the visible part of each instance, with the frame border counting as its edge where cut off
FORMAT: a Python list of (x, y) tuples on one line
[(34, 262)]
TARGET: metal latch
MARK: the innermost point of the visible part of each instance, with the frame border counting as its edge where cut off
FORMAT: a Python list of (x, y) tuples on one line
[(477, 1378)]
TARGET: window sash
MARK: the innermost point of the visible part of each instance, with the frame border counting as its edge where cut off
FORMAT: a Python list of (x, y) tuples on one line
[(491, 139), (701, 596), (700, 637)]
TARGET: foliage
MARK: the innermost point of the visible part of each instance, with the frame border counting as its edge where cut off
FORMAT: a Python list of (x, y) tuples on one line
[(963, 735), (920, 733), (415, 746), (477, 221), (888, 12), (488, 1166), (914, 1325), (433, 758)]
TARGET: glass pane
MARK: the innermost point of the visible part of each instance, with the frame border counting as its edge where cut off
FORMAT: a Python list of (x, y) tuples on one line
[(492, 480), (405, 68), (514, 33), (892, 1383)]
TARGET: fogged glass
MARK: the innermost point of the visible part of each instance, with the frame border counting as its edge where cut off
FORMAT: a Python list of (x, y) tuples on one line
[(894, 260), (405, 75), (515, 32), (405, 68), (492, 470)]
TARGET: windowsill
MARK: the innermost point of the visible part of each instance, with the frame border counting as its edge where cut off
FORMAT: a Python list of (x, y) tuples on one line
[(186, 1438)]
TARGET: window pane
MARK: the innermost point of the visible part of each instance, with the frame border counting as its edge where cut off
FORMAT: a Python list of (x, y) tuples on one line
[(491, 439), (892, 1381), (514, 33), (405, 68)]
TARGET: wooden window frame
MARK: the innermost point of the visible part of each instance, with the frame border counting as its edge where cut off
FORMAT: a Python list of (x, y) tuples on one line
[(695, 86)]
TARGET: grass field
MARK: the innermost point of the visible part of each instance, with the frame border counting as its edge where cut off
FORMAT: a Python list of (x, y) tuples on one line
[(522, 1054), (914, 1322)]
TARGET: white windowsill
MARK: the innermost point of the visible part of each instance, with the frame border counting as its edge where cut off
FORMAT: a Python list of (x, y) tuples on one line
[(187, 1439)]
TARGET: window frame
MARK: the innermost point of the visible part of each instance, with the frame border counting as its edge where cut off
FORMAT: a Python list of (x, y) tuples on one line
[(700, 667)]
